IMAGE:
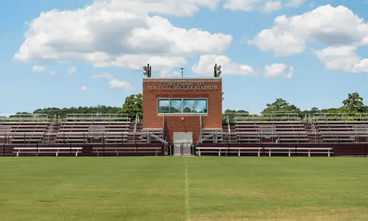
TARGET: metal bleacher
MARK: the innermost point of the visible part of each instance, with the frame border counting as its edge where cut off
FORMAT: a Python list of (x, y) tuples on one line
[(115, 134), (94, 128), (270, 127), (341, 127), (24, 128), (78, 134)]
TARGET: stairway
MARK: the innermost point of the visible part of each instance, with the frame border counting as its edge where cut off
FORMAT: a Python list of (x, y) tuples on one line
[(52, 132), (312, 132)]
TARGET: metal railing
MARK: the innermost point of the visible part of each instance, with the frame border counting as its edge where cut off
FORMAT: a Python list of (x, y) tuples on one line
[(273, 116), (318, 117), (97, 118), (25, 118)]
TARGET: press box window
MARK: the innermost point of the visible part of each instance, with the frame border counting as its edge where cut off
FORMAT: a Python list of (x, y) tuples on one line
[(173, 106), (163, 106), (176, 106)]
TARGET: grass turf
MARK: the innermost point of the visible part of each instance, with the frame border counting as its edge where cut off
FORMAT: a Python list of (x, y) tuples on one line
[(183, 188)]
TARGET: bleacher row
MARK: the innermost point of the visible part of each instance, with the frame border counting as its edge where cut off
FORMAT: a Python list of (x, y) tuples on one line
[(288, 132), (74, 132), (240, 132)]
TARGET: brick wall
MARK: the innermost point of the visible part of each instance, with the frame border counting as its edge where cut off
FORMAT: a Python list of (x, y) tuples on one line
[(190, 122), (182, 124)]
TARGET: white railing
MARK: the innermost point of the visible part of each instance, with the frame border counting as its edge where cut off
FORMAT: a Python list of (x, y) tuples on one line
[(97, 118), (273, 116), (26, 118), (321, 117)]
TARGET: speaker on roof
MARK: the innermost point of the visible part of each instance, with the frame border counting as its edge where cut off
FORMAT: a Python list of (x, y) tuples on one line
[(147, 70), (217, 70)]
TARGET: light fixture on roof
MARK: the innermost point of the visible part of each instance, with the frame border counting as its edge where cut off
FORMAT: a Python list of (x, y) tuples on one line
[(147, 70), (182, 72), (217, 71)]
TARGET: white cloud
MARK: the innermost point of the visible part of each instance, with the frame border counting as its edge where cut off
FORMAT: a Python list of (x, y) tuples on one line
[(113, 83), (52, 73), (343, 58), (72, 70), (260, 5), (119, 34), (243, 5), (38, 68), (271, 6), (228, 67), (83, 88), (105, 75), (171, 7), (294, 3), (278, 70), (326, 24), (116, 84), (164, 37)]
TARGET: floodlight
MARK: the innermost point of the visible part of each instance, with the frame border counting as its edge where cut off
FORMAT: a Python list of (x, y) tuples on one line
[(217, 70), (147, 70)]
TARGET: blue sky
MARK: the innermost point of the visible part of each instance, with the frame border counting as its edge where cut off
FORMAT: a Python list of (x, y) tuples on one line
[(88, 53)]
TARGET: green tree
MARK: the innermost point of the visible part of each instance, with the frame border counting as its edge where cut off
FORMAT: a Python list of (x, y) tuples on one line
[(133, 105), (353, 104), (280, 105), (232, 114), (53, 111)]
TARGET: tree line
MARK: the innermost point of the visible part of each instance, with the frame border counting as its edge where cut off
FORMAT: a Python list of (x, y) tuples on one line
[(133, 107), (352, 104)]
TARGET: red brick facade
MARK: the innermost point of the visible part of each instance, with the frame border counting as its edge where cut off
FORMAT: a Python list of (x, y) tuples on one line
[(209, 88)]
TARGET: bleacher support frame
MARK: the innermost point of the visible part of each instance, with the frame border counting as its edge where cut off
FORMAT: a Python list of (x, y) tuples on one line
[(269, 135)]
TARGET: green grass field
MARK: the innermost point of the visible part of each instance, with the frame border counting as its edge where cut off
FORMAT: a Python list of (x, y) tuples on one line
[(183, 188)]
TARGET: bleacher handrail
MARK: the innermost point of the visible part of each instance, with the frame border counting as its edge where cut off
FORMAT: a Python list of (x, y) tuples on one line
[(25, 118), (113, 117), (272, 116), (345, 117)]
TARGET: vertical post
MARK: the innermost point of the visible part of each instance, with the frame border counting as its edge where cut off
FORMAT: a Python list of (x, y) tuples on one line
[(148, 137), (215, 137), (103, 144)]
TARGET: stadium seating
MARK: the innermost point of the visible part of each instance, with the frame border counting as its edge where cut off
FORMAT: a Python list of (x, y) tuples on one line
[(342, 131), (271, 131), (265, 137), (24, 132)]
